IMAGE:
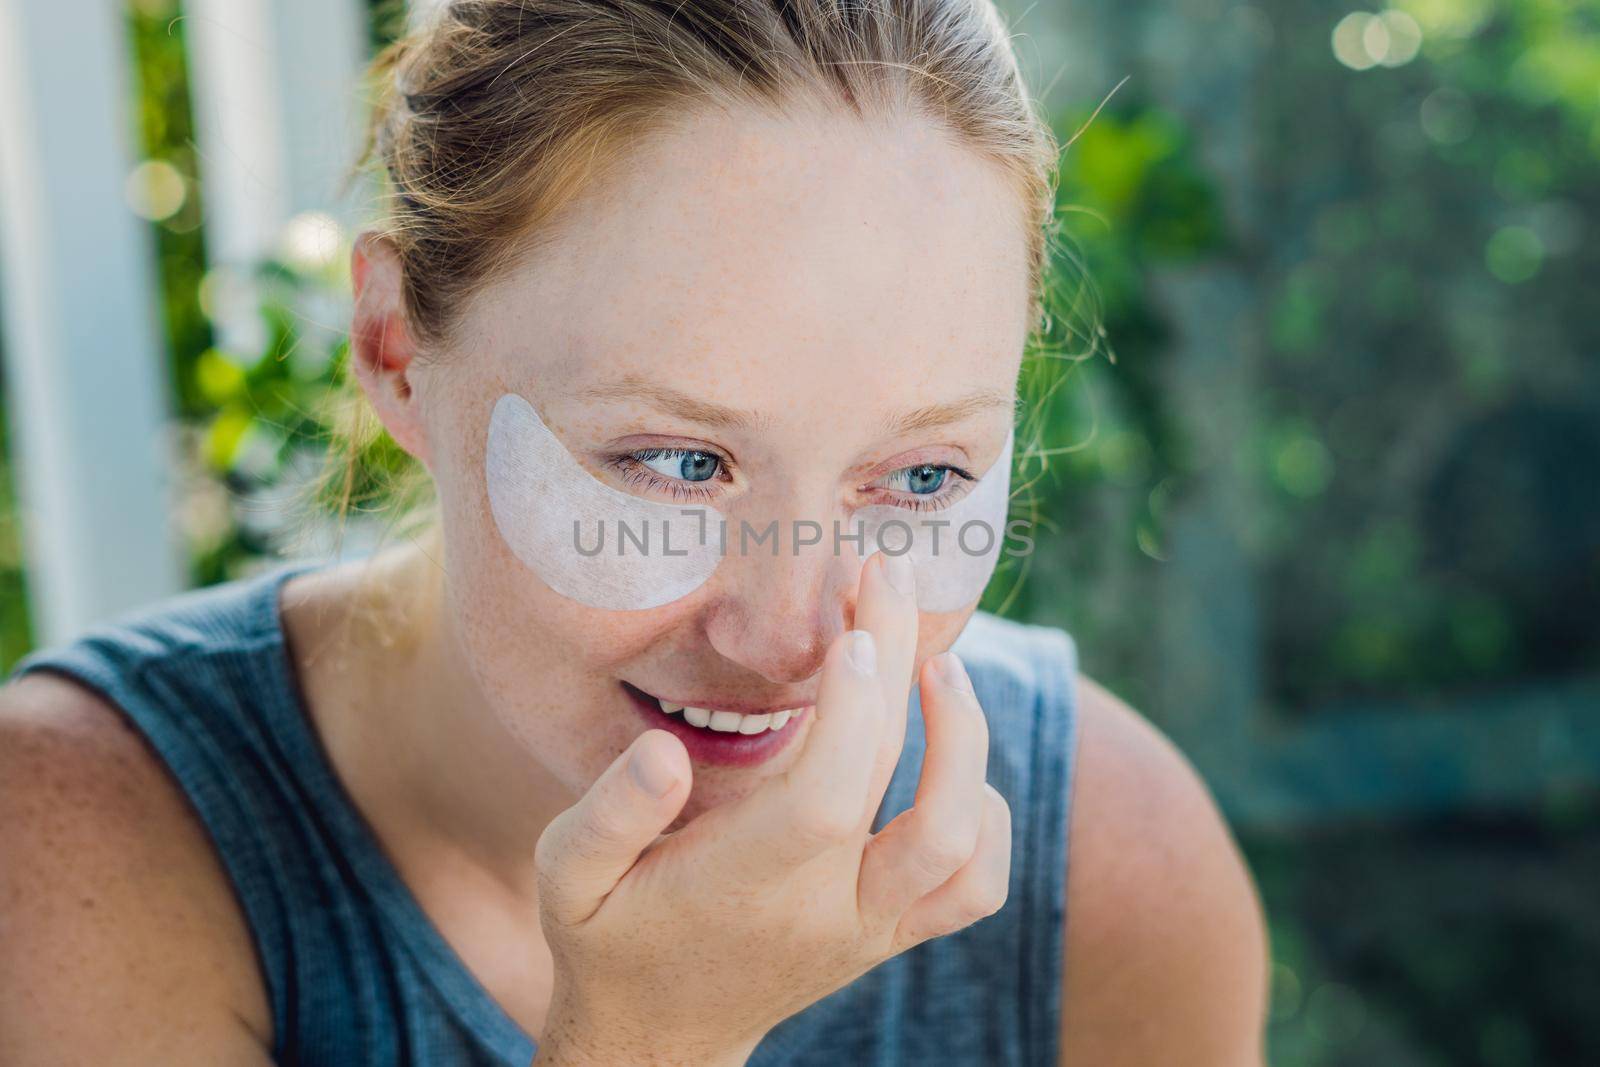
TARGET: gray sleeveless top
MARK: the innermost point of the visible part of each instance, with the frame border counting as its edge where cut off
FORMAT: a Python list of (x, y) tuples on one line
[(358, 974)]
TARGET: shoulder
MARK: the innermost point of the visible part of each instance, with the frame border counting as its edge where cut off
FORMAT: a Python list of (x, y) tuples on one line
[(1166, 958), (122, 940)]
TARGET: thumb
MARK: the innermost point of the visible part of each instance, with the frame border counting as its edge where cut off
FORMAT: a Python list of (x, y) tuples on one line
[(586, 850)]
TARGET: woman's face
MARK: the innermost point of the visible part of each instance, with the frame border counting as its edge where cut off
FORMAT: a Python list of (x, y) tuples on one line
[(777, 318)]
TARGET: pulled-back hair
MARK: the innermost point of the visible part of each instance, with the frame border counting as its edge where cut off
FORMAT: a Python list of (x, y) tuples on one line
[(490, 116)]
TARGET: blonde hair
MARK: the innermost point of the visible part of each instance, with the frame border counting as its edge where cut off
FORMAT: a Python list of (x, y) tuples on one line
[(492, 115)]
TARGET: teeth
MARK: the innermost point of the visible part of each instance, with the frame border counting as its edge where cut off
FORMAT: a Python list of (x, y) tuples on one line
[(730, 722)]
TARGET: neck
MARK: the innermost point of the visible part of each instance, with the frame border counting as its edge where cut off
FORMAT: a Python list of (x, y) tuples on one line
[(406, 725)]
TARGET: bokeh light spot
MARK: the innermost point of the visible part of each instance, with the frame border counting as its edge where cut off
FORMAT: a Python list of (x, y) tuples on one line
[(1447, 116), (311, 242), (1514, 254), (1302, 466), (1350, 41), (155, 190), (1363, 40)]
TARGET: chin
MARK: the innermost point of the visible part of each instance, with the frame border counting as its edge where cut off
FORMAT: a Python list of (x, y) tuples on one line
[(712, 790)]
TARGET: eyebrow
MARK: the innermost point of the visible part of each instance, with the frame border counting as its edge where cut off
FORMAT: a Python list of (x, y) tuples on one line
[(696, 409), (673, 402), (936, 415)]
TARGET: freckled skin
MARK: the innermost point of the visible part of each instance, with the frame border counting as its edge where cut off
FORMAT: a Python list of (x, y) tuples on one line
[(115, 917)]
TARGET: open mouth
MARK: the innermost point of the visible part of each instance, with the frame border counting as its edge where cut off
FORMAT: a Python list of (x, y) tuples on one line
[(714, 735), (730, 722)]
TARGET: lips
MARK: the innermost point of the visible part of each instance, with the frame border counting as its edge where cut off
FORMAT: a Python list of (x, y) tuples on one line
[(720, 735)]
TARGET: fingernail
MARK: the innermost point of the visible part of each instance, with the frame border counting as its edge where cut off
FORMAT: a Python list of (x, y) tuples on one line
[(863, 651), (650, 772), (898, 570), (954, 673)]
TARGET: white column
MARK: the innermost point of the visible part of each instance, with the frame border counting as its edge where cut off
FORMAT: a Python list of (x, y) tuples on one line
[(277, 111), (84, 364)]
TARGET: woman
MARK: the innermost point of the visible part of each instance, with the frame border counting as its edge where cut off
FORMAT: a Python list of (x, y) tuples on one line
[(485, 799)]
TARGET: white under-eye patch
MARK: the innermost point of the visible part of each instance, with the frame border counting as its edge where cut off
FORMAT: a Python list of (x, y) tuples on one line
[(587, 541), (612, 550), (954, 550)]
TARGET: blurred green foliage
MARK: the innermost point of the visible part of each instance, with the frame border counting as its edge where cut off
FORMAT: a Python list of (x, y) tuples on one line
[(283, 418), (16, 636), (1109, 453), (1429, 410), (1426, 405)]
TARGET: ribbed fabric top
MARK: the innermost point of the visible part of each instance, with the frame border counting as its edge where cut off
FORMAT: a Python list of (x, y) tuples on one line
[(357, 973)]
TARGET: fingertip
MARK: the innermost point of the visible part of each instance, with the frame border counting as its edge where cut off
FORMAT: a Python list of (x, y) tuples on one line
[(951, 672), (659, 763), (672, 744), (898, 573), (861, 651)]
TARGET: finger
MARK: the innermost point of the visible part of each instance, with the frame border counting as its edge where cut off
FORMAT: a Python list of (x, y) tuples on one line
[(928, 842), (977, 890), (886, 606), (817, 803), (586, 850)]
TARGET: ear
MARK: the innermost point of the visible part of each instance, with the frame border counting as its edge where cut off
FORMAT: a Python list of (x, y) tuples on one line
[(382, 350)]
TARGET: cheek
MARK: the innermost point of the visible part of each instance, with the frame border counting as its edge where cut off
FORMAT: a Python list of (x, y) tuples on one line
[(938, 631), (525, 641), (524, 632), (543, 667), (513, 619)]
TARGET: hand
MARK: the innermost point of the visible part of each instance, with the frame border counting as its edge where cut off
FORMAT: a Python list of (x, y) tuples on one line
[(689, 948)]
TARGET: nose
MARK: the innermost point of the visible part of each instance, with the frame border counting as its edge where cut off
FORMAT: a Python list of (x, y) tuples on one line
[(777, 615)]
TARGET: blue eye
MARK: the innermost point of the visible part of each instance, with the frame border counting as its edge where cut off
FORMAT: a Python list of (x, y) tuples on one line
[(682, 464), (921, 480)]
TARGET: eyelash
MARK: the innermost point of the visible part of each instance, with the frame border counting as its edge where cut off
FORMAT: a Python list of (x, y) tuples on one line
[(629, 466), (946, 494)]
